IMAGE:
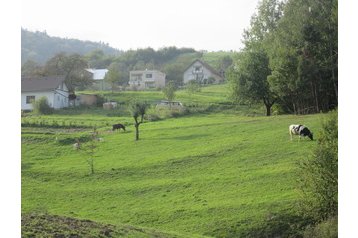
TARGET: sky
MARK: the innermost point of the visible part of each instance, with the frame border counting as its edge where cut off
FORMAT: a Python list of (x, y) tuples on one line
[(212, 25)]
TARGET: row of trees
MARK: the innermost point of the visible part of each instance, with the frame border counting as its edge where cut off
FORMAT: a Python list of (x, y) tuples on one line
[(290, 57), (40, 47), (170, 60)]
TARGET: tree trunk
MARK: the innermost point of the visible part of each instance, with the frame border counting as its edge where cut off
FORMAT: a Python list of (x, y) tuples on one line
[(268, 109), (136, 131)]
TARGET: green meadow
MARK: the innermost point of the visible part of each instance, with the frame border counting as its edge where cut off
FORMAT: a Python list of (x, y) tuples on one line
[(208, 174)]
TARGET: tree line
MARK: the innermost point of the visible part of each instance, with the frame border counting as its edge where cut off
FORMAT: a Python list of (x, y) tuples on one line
[(290, 58), (171, 60), (40, 47)]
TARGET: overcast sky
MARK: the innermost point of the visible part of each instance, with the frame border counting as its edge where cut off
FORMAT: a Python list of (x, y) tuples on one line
[(211, 25)]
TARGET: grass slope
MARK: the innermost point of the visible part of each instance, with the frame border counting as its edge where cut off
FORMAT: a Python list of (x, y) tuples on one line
[(219, 174)]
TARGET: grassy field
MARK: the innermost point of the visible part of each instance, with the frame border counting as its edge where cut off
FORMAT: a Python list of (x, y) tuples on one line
[(214, 174), (208, 95)]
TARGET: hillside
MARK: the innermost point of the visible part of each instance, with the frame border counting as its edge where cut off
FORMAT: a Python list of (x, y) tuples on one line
[(216, 174), (39, 46)]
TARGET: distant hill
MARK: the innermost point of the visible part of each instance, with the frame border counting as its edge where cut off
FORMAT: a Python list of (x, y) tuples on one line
[(39, 47)]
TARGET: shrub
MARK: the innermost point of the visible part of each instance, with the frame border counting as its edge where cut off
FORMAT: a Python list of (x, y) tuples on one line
[(41, 106), (319, 174), (325, 229)]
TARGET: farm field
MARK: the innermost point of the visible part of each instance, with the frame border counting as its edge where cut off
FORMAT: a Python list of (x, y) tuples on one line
[(206, 175)]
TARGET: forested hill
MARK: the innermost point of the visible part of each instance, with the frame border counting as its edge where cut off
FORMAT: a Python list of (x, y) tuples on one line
[(39, 47)]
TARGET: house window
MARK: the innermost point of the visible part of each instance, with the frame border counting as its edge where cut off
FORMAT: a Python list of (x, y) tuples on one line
[(148, 76), (30, 99), (197, 68)]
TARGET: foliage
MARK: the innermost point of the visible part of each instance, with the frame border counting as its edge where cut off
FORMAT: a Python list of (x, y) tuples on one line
[(169, 91), (325, 229), (303, 54), (319, 174), (114, 76), (31, 69), (40, 47), (248, 79), (138, 110), (192, 87), (248, 76), (297, 42), (41, 106), (72, 67)]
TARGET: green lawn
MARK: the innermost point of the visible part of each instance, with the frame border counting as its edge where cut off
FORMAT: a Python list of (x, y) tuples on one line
[(208, 95), (217, 174)]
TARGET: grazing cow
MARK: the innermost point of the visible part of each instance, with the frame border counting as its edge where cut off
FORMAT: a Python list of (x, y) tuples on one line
[(118, 127), (300, 130)]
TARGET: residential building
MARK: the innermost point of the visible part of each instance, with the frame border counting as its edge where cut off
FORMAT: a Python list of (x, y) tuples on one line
[(53, 88), (98, 78), (146, 79), (202, 73)]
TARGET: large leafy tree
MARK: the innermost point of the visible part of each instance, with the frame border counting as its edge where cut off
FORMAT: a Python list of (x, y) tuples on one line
[(248, 76), (303, 54), (249, 79), (72, 67), (115, 75)]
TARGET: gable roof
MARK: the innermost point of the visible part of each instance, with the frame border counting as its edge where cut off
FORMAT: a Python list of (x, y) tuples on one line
[(98, 74), (48, 83), (211, 69)]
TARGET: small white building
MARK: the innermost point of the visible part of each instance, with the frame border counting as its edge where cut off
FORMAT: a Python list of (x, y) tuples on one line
[(52, 87), (146, 79), (98, 78), (201, 72)]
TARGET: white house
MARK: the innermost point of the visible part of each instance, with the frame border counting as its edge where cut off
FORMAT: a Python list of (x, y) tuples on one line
[(52, 87), (202, 73), (98, 77), (146, 79)]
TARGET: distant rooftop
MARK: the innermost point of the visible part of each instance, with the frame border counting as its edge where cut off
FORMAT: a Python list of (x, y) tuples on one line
[(31, 84), (98, 74)]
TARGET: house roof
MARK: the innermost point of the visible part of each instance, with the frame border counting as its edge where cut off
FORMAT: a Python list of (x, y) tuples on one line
[(49, 83), (211, 69), (98, 74)]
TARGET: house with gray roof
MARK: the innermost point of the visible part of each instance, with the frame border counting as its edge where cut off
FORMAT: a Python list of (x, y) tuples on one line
[(53, 88), (202, 73), (98, 78)]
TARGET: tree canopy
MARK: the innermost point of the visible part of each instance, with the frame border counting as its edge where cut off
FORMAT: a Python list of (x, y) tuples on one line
[(290, 56)]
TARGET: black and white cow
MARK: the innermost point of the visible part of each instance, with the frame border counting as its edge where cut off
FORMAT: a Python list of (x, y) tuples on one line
[(300, 130)]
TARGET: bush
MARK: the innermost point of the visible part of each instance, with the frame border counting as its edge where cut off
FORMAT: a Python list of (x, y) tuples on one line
[(325, 229), (319, 174), (41, 106)]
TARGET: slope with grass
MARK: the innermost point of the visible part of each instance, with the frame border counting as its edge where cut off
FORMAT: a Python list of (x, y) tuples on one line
[(217, 174)]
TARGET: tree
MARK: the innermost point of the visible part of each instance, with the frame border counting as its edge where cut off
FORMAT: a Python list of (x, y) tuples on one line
[(72, 67), (169, 91), (138, 110), (192, 87), (303, 54), (248, 76), (249, 82), (113, 76), (30, 68)]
